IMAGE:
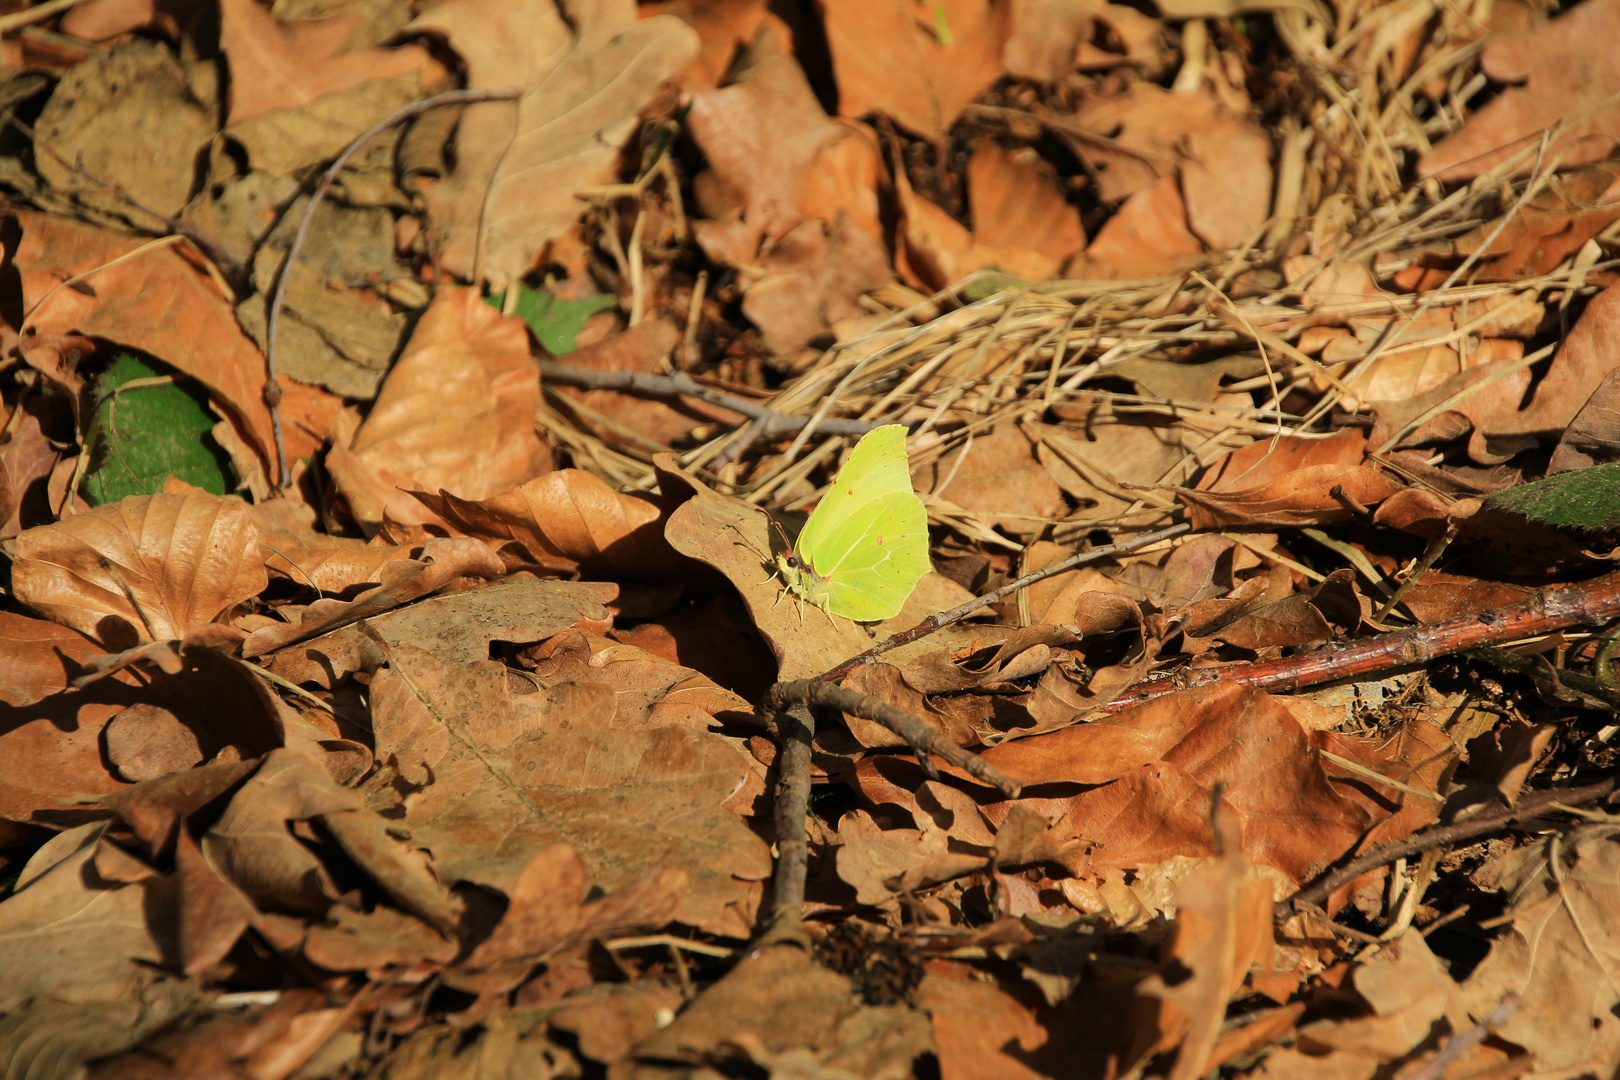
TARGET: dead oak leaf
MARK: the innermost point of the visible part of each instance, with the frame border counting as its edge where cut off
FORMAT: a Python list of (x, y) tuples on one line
[(149, 566), (519, 164), (1568, 70), (511, 772), (277, 64)]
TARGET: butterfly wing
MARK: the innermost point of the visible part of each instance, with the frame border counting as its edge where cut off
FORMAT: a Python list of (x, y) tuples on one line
[(866, 544), (876, 467), (874, 559)]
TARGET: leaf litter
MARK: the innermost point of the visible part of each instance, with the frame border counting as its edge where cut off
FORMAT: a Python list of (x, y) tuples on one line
[(406, 714)]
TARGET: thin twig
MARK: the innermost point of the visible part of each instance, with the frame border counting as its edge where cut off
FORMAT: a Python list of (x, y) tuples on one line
[(1439, 836), (770, 423), (995, 596), (918, 735), (1589, 604), (1465, 1041), (272, 389), (795, 727)]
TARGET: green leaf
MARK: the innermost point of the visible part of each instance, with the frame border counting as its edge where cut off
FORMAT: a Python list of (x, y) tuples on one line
[(1586, 500), (141, 435), (555, 321)]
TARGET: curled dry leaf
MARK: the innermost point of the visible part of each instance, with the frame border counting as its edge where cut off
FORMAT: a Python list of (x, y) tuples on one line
[(570, 519), (1289, 480), (1567, 75), (1221, 157), (456, 412), (791, 198), (400, 581), (279, 64), (1146, 237), (149, 567), (1051, 38), (1021, 224), (584, 78)]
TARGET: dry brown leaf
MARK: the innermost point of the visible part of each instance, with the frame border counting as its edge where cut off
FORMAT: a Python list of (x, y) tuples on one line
[(1288, 480), (508, 777), (1593, 436), (568, 519), (1574, 207), (1223, 926), (399, 582), (158, 301), (147, 567), (1567, 72), (724, 29), (518, 164), (1147, 237), (642, 348), (1558, 953), (1051, 38), (277, 64), (457, 412), (982, 1031), (889, 57), (69, 934), (779, 1007), (791, 196), (1221, 157), (1021, 224)]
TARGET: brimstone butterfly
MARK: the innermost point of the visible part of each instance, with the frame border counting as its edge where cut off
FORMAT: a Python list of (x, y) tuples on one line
[(865, 546)]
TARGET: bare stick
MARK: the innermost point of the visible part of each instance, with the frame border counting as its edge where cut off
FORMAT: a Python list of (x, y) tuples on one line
[(918, 735), (1439, 836), (795, 728), (1463, 1042), (272, 389), (1589, 604), (769, 422), (962, 611)]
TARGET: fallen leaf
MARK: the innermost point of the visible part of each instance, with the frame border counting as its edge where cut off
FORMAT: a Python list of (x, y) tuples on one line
[(509, 777), (128, 117), (457, 413), (895, 58), (1021, 224), (519, 164), (1148, 134), (1147, 237), (1568, 74), (1557, 953), (570, 519), (1051, 38), (724, 28), (277, 64), (1574, 207), (1289, 480), (147, 568)]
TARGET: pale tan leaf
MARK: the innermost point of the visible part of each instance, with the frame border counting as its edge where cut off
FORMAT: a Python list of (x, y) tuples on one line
[(149, 566)]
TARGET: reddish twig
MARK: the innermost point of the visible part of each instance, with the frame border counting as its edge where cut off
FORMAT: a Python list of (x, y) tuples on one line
[(272, 389), (1589, 604), (1440, 836), (962, 611)]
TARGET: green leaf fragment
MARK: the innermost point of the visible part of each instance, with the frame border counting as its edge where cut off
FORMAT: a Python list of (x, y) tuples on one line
[(555, 321), (1585, 500), (142, 434)]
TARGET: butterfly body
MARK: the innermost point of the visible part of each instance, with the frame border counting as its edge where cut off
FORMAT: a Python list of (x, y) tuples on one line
[(865, 546)]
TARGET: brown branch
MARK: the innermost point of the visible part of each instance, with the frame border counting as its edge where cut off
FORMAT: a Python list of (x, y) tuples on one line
[(918, 735), (962, 611), (768, 423), (272, 389), (1439, 836), (795, 728), (1589, 604)]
